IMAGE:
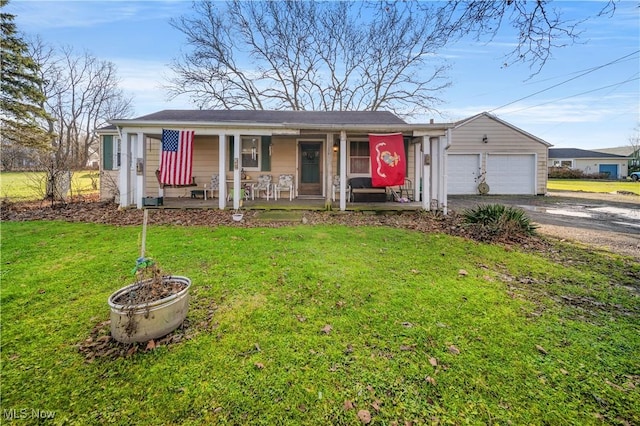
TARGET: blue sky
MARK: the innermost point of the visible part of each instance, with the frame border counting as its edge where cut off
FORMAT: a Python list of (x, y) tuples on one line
[(597, 110)]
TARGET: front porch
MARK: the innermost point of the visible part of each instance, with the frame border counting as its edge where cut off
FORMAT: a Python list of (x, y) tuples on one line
[(310, 204)]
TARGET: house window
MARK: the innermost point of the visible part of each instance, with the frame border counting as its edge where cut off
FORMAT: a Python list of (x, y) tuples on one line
[(117, 150), (250, 153), (563, 163), (359, 160)]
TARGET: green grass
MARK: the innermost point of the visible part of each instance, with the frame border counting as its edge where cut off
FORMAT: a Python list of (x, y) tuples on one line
[(394, 299), (30, 186), (593, 185)]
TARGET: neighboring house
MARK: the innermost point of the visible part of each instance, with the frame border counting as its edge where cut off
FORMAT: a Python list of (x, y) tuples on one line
[(508, 159), (590, 162), (632, 154), (312, 146)]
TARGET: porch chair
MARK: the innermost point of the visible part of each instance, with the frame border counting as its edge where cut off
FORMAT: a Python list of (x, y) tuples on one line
[(335, 187), (285, 183), (406, 190), (215, 185), (264, 184)]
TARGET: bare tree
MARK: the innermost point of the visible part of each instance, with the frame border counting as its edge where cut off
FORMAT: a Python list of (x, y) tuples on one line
[(347, 55), (82, 94), (634, 143), (539, 26), (308, 55)]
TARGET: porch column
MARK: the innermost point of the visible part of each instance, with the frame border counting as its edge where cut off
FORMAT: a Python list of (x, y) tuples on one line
[(125, 161), (435, 172), (343, 170), (328, 179), (426, 173), (237, 165), (418, 161), (445, 143), (222, 167), (139, 167)]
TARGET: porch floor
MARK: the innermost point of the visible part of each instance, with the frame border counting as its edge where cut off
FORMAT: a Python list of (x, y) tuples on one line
[(284, 204)]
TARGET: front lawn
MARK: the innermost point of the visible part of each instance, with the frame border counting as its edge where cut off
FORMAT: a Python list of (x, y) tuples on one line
[(322, 325), (593, 185)]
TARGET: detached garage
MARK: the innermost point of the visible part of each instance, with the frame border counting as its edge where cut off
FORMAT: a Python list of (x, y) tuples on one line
[(506, 158)]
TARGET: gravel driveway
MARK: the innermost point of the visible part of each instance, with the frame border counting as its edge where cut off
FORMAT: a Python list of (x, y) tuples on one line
[(607, 221)]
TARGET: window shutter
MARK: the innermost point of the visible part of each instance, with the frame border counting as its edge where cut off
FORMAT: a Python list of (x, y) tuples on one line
[(107, 152), (230, 152), (266, 158), (406, 156)]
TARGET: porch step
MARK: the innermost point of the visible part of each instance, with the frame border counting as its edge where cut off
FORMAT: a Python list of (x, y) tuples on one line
[(279, 215)]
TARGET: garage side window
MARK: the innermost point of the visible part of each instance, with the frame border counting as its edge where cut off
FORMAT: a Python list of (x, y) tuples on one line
[(359, 160)]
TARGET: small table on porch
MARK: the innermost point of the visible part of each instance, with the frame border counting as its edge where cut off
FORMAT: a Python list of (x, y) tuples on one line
[(245, 184)]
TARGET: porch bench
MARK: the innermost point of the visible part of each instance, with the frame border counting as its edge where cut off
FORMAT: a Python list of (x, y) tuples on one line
[(362, 190)]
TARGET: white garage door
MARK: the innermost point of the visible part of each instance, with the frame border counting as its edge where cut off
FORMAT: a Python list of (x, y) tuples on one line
[(511, 173), (462, 171)]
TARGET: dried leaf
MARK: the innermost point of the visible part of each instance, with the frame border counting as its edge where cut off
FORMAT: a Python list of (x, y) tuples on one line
[(151, 345), (463, 272), (454, 350), (433, 362), (407, 347), (430, 380), (327, 329), (376, 404), (541, 349), (259, 365), (371, 389), (407, 324), (301, 318), (348, 405), (364, 416)]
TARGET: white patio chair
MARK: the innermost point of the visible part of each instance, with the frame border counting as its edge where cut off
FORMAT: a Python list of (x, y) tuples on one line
[(263, 184), (285, 183), (214, 186), (335, 187)]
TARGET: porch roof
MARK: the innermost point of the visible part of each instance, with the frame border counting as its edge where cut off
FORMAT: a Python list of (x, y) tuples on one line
[(364, 121)]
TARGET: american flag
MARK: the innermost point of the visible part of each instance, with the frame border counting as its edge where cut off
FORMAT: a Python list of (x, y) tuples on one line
[(176, 163)]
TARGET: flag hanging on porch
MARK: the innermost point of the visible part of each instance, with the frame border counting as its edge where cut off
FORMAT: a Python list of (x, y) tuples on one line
[(176, 163), (388, 162)]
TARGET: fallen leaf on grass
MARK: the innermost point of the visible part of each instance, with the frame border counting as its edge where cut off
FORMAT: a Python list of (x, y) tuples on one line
[(430, 380), (376, 404), (259, 365), (151, 345), (327, 329), (541, 349), (407, 347), (454, 350), (433, 362), (364, 416), (348, 405), (463, 273), (407, 324)]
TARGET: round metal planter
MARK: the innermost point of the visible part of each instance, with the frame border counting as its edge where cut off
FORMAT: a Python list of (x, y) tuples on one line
[(148, 320)]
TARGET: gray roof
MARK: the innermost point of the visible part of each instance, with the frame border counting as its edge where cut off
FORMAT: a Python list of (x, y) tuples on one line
[(627, 151), (276, 117), (579, 153)]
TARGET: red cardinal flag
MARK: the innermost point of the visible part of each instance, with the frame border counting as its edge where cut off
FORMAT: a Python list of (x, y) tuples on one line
[(388, 163), (176, 163)]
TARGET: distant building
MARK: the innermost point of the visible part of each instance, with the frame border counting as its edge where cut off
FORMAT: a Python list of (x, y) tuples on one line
[(590, 162)]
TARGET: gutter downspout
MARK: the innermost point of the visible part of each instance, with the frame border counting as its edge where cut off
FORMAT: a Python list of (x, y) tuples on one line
[(445, 171)]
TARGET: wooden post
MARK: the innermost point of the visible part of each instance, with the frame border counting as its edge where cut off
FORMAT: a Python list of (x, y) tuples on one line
[(144, 232)]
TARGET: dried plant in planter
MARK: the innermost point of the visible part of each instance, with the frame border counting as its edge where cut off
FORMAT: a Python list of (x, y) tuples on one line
[(151, 307)]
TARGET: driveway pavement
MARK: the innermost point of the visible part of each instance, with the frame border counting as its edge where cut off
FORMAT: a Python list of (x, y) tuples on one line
[(605, 212)]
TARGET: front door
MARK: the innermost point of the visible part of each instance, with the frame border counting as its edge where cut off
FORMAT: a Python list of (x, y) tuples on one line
[(310, 160)]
